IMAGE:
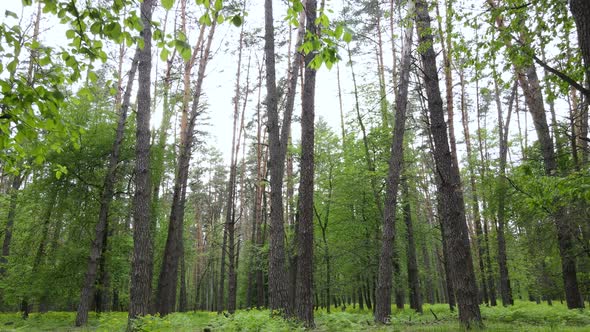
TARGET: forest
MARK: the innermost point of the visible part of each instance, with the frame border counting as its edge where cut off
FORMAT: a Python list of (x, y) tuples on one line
[(294, 165)]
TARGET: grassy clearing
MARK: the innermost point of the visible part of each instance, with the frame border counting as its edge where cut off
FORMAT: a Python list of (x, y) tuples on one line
[(524, 316)]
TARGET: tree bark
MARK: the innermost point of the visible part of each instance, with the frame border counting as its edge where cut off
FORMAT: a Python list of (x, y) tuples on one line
[(167, 283), (384, 280), (483, 155), (278, 138), (182, 301), (479, 243), (106, 198), (529, 82), (16, 182), (413, 275), (260, 189), (581, 12), (505, 289), (449, 186), (304, 290), (141, 274), (446, 46), (231, 209)]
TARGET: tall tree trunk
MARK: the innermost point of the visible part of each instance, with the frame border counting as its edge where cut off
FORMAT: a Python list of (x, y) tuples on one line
[(304, 291), (105, 202), (277, 139), (445, 42), (167, 283), (451, 195), (383, 105), (159, 147), (323, 223), (231, 209), (413, 275), (482, 174), (359, 293), (474, 194), (13, 194), (450, 287), (446, 286), (429, 274), (261, 159), (101, 294), (505, 289), (581, 12), (529, 82), (141, 274), (384, 280), (41, 249), (182, 301), (221, 292)]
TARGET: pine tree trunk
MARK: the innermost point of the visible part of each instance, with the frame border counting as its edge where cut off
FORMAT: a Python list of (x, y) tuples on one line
[(384, 283), (259, 210), (167, 283), (490, 275), (230, 216), (13, 194), (449, 186), (277, 274), (221, 292), (141, 275), (182, 301), (529, 82), (100, 231), (445, 38), (304, 290), (102, 288), (428, 284), (413, 274), (479, 243), (505, 289), (449, 289), (581, 12)]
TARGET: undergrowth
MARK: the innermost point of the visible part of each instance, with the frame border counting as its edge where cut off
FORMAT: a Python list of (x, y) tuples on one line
[(524, 316)]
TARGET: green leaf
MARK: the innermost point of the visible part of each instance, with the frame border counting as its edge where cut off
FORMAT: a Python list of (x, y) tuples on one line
[(236, 20), (338, 31), (12, 65), (347, 37), (70, 34), (218, 5), (92, 76), (8, 13), (205, 19), (185, 53), (167, 4), (164, 54)]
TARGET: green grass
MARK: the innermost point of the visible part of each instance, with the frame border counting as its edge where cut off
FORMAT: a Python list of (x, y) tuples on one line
[(524, 316)]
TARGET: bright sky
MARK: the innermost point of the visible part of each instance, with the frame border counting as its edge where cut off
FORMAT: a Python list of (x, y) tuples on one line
[(220, 81), (219, 84)]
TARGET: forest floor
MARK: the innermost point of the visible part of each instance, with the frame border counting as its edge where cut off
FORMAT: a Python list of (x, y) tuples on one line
[(524, 316)]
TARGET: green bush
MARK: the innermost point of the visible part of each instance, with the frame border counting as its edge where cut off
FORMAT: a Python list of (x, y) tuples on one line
[(524, 316)]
